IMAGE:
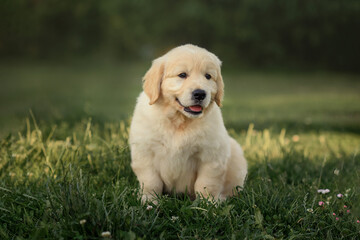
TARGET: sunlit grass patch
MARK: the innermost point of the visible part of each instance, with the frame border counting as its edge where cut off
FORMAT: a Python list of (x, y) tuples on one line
[(76, 182)]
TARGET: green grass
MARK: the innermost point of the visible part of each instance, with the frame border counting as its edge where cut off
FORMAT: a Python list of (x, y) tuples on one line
[(70, 160)]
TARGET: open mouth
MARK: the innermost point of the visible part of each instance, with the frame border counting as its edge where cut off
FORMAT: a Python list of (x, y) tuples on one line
[(195, 109)]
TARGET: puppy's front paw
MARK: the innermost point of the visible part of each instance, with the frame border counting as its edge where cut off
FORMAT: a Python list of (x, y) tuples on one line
[(146, 198), (221, 198)]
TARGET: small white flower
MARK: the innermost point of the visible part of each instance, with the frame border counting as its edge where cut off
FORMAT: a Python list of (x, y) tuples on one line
[(106, 234), (174, 218), (310, 210), (82, 221), (348, 190), (336, 171), (149, 207), (339, 195), (323, 191)]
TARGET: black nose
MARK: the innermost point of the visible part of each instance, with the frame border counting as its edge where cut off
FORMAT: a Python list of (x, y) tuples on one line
[(198, 94)]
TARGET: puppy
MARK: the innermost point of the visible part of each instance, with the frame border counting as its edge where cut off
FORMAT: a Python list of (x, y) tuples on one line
[(177, 136)]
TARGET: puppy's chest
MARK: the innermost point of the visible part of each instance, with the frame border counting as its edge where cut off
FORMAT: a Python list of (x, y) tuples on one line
[(178, 163), (175, 153)]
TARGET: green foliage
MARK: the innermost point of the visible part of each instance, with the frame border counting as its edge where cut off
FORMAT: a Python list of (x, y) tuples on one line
[(253, 32), (106, 91)]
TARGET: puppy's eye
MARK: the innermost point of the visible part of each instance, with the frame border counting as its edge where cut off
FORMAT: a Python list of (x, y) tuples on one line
[(208, 76), (182, 75)]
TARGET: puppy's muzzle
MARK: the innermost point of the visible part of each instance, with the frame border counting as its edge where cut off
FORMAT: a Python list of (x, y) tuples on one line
[(198, 95)]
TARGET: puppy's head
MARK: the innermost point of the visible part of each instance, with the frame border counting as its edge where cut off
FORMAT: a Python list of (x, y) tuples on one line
[(187, 78)]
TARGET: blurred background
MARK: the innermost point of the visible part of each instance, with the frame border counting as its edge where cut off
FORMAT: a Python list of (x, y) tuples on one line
[(286, 63)]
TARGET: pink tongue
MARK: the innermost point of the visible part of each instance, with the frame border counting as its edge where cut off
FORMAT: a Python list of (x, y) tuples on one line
[(195, 108)]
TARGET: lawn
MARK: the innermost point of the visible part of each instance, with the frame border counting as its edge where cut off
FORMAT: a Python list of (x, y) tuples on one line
[(64, 157)]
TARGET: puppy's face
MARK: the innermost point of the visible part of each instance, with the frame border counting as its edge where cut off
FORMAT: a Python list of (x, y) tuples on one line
[(187, 78)]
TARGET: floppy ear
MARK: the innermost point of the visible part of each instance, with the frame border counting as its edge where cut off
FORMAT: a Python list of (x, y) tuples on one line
[(152, 80), (220, 90)]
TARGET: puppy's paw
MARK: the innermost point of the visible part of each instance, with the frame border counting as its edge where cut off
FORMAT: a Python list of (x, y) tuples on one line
[(147, 198), (211, 200)]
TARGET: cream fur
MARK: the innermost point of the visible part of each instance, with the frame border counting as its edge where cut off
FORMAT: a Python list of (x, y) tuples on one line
[(174, 150)]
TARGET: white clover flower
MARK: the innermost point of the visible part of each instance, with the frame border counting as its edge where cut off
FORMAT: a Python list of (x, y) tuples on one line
[(323, 191), (310, 210), (82, 221), (149, 207), (336, 171), (174, 218), (106, 234), (340, 195)]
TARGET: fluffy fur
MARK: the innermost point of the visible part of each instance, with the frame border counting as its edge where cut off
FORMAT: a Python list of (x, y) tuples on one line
[(184, 151)]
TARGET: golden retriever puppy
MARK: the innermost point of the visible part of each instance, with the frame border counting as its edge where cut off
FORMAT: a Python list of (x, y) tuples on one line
[(177, 136)]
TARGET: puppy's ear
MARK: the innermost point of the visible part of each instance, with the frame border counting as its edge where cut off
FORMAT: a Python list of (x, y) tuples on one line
[(220, 89), (152, 80)]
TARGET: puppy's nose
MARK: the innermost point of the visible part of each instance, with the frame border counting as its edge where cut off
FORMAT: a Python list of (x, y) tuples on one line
[(198, 94)]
